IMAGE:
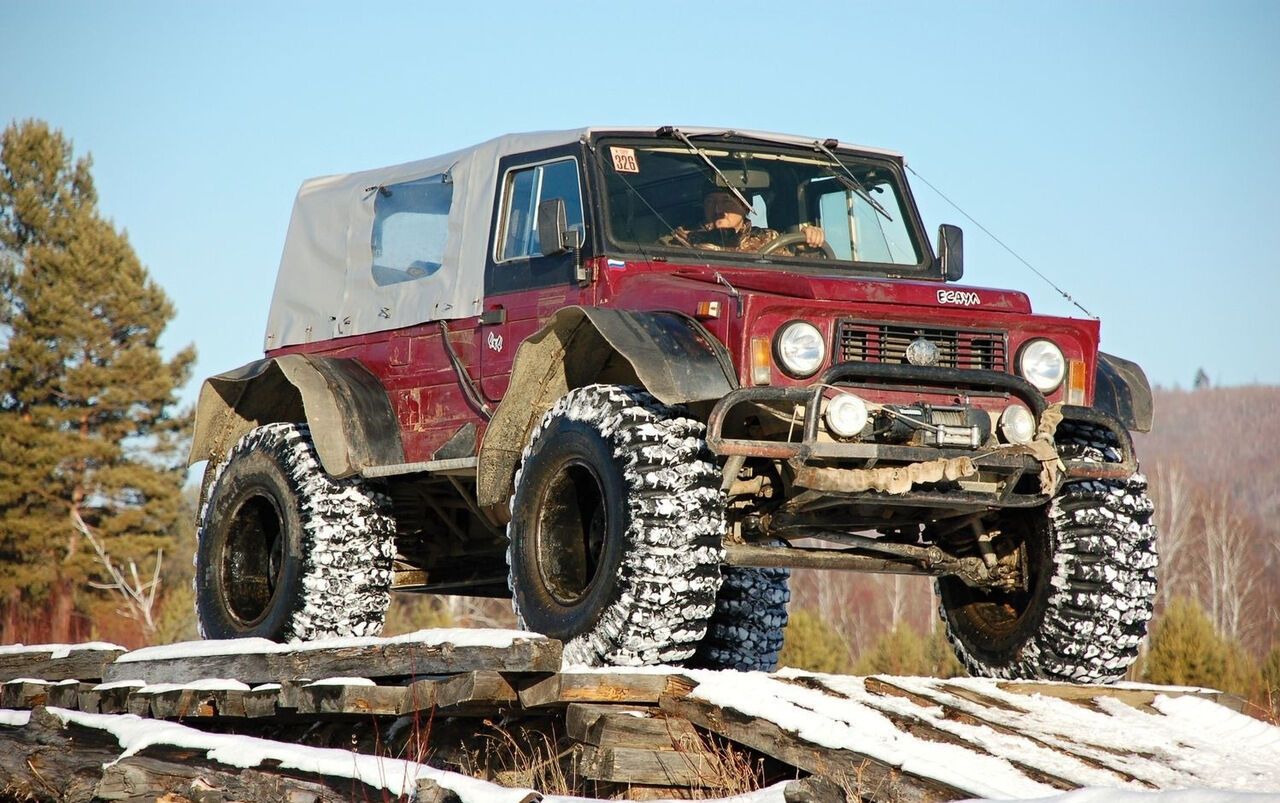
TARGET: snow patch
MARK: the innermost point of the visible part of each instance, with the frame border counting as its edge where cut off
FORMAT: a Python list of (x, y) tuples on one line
[(58, 651), (397, 776)]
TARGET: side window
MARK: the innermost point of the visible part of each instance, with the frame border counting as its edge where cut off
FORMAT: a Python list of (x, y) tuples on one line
[(525, 189), (410, 229)]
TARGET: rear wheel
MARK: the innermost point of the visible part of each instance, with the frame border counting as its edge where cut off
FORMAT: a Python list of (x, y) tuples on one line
[(747, 627), (1091, 559), (285, 551), (615, 529)]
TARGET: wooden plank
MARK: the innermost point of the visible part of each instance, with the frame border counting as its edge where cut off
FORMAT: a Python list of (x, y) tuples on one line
[(482, 692), (327, 698), (663, 767), (921, 728), (1079, 751), (390, 659), (24, 693), (78, 663), (599, 687), (628, 726), (111, 700), (66, 694), (870, 778), (1139, 698)]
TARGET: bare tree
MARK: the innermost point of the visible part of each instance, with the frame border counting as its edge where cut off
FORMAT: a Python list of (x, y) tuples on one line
[(1235, 574), (138, 596), (1175, 521)]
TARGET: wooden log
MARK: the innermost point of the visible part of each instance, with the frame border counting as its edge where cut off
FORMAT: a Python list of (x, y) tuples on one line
[(48, 662), (160, 774), (24, 694), (868, 777), (45, 761), (389, 659), (600, 687), (113, 699), (1079, 752), (662, 767), (355, 699), (481, 693), (628, 726), (1139, 698), (66, 694)]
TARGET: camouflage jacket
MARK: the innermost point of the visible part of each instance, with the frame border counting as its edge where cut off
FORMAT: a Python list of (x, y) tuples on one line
[(747, 239)]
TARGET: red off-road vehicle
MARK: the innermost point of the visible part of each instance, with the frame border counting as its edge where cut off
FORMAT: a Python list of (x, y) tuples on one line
[(630, 376)]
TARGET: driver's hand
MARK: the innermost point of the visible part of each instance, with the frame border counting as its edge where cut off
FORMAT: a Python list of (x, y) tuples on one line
[(813, 236)]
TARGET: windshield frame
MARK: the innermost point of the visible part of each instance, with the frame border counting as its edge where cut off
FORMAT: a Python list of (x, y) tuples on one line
[(926, 268)]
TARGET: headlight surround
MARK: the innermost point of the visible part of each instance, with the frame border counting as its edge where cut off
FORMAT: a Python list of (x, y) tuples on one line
[(1041, 363), (799, 349)]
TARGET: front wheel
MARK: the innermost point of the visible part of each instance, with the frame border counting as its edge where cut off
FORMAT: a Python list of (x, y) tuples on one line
[(615, 532), (1090, 559), (286, 552)]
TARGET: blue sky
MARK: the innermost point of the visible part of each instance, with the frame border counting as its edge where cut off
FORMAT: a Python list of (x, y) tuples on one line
[(1130, 151)]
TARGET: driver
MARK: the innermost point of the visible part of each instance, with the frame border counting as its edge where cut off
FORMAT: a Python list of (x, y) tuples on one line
[(727, 229)]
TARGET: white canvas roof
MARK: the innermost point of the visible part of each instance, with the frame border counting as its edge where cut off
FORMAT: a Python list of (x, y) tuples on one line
[(325, 288)]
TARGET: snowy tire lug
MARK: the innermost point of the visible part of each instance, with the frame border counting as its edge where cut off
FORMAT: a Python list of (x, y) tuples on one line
[(615, 532), (1092, 558), (287, 552)]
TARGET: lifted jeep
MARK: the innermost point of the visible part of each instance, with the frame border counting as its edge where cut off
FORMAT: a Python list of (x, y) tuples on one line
[(629, 377)]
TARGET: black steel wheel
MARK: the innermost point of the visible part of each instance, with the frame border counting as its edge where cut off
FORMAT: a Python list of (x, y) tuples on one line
[(286, 552), (615, 529), (1091, 559)]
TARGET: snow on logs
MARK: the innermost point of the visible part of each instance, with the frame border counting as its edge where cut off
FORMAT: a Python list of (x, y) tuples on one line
[(651, 731)]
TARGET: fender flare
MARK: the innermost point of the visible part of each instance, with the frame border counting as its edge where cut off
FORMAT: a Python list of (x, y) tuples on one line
[(1122, 391), (352, 422), (670, 354)]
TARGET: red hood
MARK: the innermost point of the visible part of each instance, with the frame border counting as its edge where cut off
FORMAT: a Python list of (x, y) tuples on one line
[(872, 290)]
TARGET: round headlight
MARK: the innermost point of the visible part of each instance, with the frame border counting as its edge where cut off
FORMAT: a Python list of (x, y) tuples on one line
[(846, 415), (1017, 424), (1043, 365), (800, 349)]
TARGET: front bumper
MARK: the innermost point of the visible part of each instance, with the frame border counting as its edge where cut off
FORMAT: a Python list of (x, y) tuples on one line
[(812, 457)]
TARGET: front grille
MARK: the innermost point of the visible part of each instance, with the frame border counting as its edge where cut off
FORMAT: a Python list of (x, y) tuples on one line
[(872, 341)]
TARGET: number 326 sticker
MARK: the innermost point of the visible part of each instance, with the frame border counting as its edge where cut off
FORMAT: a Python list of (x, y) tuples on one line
[(624, 160)]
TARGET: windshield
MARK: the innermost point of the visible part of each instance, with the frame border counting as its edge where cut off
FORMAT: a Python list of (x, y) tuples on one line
[(799, 205)]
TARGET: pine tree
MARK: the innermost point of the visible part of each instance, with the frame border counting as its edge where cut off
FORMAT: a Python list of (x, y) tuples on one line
[(1187, 651), (87, 429)]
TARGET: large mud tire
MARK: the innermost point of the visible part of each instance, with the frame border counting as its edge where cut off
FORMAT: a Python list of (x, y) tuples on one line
[(285, 551), (1092, 558), (747, 627), (615, 532)]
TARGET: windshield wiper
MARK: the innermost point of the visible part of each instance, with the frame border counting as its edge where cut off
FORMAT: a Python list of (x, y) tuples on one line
[(852, 182), (672, 131)]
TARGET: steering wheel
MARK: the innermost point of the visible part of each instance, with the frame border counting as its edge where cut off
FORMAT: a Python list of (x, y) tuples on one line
[(796, 238)]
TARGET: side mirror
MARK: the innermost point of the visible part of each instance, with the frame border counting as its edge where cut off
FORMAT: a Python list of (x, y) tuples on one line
[(554, 235), (951, 251)]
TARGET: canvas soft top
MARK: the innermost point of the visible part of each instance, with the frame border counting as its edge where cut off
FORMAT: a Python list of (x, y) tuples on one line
[(325, 288)]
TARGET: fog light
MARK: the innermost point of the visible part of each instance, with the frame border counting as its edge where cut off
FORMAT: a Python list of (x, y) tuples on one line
[(846, 415), (1017, 424)]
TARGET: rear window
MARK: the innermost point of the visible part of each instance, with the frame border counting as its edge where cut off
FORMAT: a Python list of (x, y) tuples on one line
[(410, 229)]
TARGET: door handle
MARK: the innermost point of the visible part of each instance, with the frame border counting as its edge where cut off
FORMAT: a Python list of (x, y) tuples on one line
[(493, 316)]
